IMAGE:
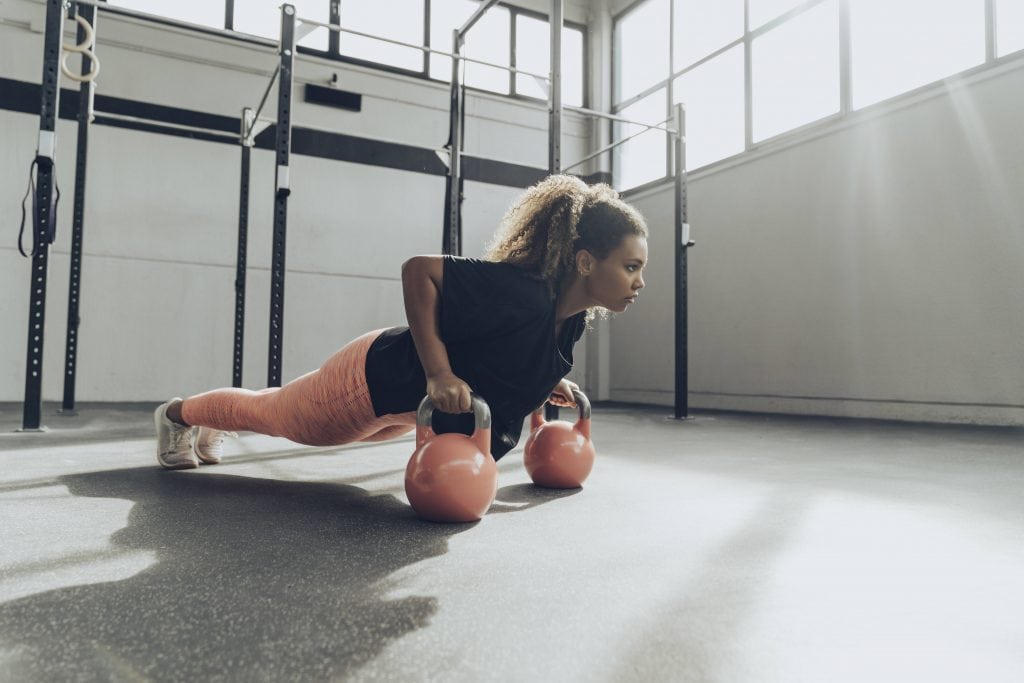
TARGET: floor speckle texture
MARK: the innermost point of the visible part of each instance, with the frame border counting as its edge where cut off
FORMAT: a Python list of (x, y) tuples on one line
[(723, 548)]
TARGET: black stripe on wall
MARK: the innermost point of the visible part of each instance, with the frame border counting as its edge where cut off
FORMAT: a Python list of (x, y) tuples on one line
[(341, 147), (500, 172), (23, 97)]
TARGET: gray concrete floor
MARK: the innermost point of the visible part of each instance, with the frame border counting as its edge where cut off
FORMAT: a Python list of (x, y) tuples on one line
[(725, 548)]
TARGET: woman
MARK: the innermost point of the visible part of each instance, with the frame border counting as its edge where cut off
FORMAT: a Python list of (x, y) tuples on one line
[(503, 327)]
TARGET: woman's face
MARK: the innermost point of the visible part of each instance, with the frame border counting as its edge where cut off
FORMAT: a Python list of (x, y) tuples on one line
[(614, 282)]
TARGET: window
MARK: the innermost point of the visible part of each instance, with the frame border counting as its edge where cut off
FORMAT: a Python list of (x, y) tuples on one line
[(533, 54), (643, 158), (788, 59), (713, 92), (898, 45), (445, 17), (192, 11), (703, 26), (715, 115), (763, 11), (1009, 26), (795, 72), (641, 46), (395, 19), (264, 19), (489, 41), (642, 60)]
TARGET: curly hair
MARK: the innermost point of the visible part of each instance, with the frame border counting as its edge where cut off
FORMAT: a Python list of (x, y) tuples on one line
[(552, 221)]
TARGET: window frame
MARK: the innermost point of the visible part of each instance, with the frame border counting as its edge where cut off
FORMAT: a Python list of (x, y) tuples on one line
[(846, 109), (333, 53), (513, 12), (585, 45)]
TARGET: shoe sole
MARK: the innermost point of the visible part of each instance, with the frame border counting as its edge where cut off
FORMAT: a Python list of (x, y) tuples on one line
[(180, 466), (205, 459), (187, 465)]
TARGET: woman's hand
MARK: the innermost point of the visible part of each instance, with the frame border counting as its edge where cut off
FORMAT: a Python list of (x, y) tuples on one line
[(449, 394), (561, 395)]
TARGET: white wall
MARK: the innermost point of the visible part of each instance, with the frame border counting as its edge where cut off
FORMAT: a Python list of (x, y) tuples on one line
[(161, 213), (873, 270), (869, 269)]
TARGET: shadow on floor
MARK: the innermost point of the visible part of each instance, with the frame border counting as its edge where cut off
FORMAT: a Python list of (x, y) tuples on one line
[(254, 579), (517, 497)]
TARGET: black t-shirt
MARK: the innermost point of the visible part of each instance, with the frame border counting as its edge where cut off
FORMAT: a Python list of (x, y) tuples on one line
[(498, 323)]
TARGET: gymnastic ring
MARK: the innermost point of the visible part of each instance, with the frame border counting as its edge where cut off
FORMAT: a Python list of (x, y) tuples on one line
[(94, 68), (84, 48), (90, 37)]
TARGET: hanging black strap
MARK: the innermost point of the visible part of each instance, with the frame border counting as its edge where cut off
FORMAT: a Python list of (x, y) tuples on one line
[(51, 229)]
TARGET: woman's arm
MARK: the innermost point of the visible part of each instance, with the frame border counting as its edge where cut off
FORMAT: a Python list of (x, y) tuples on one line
[(422, 278)]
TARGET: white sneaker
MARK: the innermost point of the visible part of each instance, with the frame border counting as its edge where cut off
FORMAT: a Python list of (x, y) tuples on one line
[(173, 441), (208, 445)]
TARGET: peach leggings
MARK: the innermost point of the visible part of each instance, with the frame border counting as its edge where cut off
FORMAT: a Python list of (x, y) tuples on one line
[(326, 407)]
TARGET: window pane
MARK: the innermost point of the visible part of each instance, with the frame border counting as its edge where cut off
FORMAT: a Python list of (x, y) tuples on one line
[(533, 53), (263, 18), (572, 67), (715, 116), (703, 26), (763, 11), (898, 45), (1009, 26), (641, 43), (488, 40), (795, 72), (445, 17), (642, 159), (192, 11), (396, 19)]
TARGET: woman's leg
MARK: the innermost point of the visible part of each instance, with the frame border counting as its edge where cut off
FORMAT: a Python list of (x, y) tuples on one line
[(327, 407), (398, 425), (389, 433), (228, 409)]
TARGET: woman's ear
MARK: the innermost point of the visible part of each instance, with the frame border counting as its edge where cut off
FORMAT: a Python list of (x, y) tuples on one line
[(584, 262)]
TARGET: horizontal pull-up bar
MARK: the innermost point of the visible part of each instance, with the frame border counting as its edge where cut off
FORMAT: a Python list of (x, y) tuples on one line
[(227, 137), (583, 111), (544, 77), (421, 48), (620, 119), (615, 144), (391, 41)]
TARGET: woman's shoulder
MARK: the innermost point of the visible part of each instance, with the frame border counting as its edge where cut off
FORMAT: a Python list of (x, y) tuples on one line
[(475, 263), (519, 283)]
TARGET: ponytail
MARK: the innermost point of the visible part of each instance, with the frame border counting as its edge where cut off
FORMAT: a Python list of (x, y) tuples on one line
[(549, 223)]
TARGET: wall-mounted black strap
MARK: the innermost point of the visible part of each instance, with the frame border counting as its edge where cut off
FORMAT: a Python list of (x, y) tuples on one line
[(50, 230)]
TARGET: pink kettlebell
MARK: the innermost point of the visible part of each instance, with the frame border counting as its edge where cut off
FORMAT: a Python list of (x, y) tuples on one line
[(560, 455), (452, 477)]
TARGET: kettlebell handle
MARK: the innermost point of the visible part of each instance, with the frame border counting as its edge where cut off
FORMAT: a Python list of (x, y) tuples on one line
[(582, 403), (481, 422)]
